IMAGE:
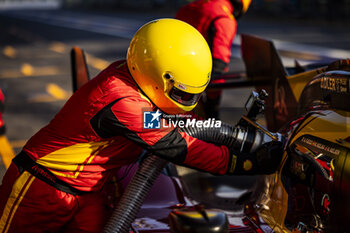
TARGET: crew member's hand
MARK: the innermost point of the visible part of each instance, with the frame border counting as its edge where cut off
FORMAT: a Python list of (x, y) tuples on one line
[(265, 160), (269, 157)]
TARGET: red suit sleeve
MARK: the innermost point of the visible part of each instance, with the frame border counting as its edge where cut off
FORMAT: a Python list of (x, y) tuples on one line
[(225, 31), (206, 156), (124, 117)]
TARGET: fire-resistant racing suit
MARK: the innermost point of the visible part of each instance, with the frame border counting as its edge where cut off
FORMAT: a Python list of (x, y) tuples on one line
[(56, 183), (215, 21)]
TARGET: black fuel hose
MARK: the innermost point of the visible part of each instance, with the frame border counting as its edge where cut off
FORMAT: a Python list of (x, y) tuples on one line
[(134, 195), (230, 136), (150, 168)]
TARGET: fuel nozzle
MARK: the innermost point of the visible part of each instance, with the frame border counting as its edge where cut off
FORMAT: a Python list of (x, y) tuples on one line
[(256, 104), (255, 135)]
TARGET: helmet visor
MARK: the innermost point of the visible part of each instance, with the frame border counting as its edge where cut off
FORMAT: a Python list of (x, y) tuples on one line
[(184, 98)]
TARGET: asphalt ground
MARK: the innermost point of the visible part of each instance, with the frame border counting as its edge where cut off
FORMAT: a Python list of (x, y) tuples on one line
[(35, 67)]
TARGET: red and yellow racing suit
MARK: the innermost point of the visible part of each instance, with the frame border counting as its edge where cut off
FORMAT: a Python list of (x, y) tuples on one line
[(215, 21), (98, 130)]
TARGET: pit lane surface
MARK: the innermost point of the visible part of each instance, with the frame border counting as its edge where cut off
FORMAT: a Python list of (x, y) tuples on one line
[(35, 66)]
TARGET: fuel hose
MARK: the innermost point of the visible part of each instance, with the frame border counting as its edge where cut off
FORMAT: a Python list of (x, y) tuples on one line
[(134, 195), (150, 168), (240, 139)]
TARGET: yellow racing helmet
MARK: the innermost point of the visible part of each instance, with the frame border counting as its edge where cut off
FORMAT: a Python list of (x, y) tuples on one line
[(171, 63)]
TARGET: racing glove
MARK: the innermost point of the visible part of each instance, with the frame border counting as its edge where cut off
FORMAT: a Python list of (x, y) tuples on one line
[(264, 160)]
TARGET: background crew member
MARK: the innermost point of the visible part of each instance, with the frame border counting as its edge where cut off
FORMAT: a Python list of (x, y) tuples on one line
[(216, 20)]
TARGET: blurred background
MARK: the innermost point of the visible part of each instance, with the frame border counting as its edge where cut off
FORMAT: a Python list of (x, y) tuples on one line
[(37, 35), (329, 9), (322, 9)]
